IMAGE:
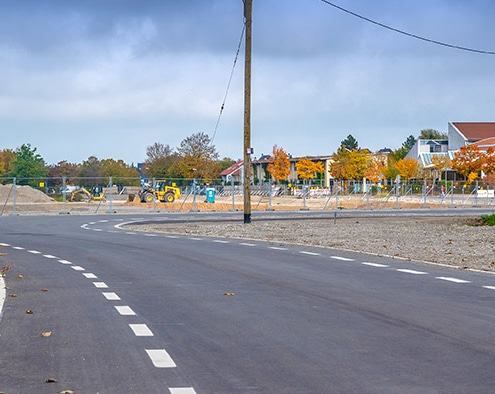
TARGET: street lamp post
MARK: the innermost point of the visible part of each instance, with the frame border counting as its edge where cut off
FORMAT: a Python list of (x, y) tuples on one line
[(247, 113)]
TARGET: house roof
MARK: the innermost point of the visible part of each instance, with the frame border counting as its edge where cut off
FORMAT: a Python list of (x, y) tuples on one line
[(474, 131), (485, 144), (234, 169)]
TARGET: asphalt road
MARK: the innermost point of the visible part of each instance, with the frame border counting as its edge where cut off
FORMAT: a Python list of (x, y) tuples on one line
[(127, 312)]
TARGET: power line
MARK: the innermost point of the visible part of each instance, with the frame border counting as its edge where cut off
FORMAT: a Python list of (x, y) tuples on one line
[(228, 85), (406, 33)]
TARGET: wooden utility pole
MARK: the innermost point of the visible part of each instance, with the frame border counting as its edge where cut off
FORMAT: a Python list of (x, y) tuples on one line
[(248, 7)]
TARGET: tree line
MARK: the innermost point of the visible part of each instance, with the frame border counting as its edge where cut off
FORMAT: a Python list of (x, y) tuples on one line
[(197, 157)]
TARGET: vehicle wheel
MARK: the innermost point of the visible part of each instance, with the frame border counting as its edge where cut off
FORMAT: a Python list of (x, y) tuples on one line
[(169, 197), (149, 197)]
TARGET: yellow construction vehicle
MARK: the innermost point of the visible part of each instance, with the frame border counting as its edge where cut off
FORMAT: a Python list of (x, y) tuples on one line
[(96, 194), (160, 191)]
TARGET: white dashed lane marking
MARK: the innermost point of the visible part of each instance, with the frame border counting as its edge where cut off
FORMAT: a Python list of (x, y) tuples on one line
[(455, 280), (160, 358), (17, 248), (64, 262), (100, 285), (77, 268), (49, 256), (182, 390), (413, 272), (111, 296), (220, 241), (341, 258), (489, 287), (375, 265), (277, 248), (141, 330), (34, 252), (309, 253), (125, 310), (89, 275), (246, 244)]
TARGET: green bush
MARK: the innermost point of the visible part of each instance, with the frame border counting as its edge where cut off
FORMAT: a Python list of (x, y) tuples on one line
[(489, 220)]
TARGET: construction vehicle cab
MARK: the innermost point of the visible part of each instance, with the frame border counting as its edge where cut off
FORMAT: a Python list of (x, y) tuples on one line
[(159, 191), (94, 194)]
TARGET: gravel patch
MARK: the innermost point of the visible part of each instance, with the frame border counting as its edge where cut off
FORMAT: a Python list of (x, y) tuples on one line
[(459, 242)]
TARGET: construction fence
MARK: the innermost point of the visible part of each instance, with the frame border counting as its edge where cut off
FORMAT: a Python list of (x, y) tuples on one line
[(120, 195)]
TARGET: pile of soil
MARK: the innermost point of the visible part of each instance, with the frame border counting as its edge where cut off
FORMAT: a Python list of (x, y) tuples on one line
[(23, 194)]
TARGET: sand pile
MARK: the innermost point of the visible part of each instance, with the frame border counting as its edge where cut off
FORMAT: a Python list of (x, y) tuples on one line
[(23, 194)]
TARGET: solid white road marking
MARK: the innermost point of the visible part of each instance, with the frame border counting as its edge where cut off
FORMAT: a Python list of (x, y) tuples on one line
[(64, 262), (310, 253), (111, 296), (141, 330), (90, 275), (412, 272), (341, 258), (125, 310), (181, 390), (160, 358), (77, 268), (375, 265), (100, 285), (455, 280)]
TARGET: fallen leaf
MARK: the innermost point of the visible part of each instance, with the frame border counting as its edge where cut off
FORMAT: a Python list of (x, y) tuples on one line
[(44, 289), (5, 268), (230, 294), (13, 295), (67, 392), (46, 334), (51, 380), (29, 311), (20, 276)]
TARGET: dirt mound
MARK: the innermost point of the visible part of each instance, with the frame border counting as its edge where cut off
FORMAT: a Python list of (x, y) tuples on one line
[(23, 194)]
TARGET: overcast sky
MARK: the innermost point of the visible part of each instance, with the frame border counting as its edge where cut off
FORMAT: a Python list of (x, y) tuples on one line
[(107, 78)]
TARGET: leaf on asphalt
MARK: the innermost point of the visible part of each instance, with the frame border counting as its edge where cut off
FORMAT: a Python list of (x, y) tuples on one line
[(20, 276), (230, 294), (5, 268), (44, 289), (51, 380), (67, 392), (29, 311), (46, 334), (13, 295)]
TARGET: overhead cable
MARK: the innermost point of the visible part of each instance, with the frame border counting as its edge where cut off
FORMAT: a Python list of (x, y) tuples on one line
[(406, 33)]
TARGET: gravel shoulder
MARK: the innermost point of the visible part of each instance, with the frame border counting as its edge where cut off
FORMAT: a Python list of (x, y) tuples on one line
[(458, 242)]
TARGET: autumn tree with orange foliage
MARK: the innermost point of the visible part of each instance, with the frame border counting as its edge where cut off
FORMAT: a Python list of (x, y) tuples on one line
[(469, 162), (308, 169), (279, 166), (374, 170), (407, 168)]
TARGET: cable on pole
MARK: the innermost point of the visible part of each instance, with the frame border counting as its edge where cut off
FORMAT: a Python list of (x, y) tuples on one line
[(229, 83)]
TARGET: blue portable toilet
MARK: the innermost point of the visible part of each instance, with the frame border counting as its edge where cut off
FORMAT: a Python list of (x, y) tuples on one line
[(210, 194)]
